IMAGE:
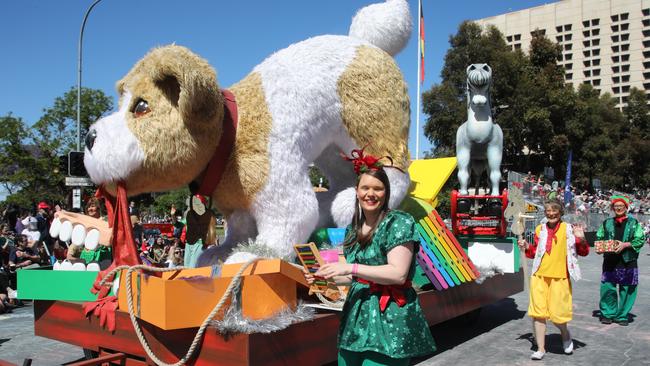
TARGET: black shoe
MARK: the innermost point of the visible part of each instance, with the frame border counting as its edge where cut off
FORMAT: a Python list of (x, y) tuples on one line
[(606, 320), (624, 323)]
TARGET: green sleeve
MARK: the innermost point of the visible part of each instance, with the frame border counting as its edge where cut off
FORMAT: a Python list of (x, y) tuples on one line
[(401, 229), (600, 234), (638, 238)]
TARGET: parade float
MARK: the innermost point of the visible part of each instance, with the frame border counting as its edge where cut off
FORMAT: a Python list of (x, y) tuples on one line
[(247, 149)]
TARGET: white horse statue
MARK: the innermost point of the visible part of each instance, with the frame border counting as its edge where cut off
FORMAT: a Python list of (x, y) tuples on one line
[(479, 141)]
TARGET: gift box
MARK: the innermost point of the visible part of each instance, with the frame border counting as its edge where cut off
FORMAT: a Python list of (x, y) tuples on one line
[(184, 298), (605, 246), (43, 283)]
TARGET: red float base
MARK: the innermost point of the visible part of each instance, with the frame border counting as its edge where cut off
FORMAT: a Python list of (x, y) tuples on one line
[(306, 343)]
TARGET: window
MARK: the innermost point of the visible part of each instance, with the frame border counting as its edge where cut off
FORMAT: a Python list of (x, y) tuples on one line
[(625, 47), (559, 57), (586, 43), (567, 37), (646, 33), (645, 12), (646, 54), (624, 99), (624, 16), (587, 82), (568, 76), (616, 90), (587, 63), (595, 32), (596, 72), (585, 23), (567, 27), (595, 22), (625, 78), (646, 75), (616, 59), (567, 46), (625, 37), (625, 88), (595, 42), (509, 39), (646, 44), (595, 52), (558, 39), (615, 49), (558, 29), (587, 73), (646, 65), (517, 37), (614, 28), (616, 80), (646, 22), (568, 66), (615, 18), (625, 58), (616, 69), (625, 26), (586, 34), (517, 46), (625, 68), (596, 62), (615, 39), (586, 53), (568, 56), (596, 82)]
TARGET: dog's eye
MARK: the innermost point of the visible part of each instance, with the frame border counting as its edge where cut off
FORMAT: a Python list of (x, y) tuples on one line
[(141, 108)]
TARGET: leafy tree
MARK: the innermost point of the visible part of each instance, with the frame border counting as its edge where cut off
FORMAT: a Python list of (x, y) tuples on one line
[(163, 201), (34, 151)]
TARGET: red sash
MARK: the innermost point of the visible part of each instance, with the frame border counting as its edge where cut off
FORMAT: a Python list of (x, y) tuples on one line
[(388, 292)]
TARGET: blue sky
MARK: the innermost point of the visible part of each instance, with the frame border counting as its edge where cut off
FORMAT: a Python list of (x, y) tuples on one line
[(39, 40)]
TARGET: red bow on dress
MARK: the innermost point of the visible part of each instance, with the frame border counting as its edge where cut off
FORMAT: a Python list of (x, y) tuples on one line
[(363, 162), (388, 292)]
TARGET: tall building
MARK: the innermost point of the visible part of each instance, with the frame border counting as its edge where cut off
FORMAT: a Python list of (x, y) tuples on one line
[(605, 43)]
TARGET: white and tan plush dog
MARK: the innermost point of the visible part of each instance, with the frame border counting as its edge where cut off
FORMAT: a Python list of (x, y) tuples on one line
[(304, 104)]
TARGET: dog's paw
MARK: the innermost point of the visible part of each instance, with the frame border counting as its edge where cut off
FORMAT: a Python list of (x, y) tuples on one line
[(240, 257)]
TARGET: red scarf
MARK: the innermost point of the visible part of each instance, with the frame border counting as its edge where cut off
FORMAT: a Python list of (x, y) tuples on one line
[(620, 219), (550, 236)]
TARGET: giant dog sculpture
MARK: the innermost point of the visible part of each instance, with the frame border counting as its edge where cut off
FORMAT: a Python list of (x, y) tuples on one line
[(302, 105)]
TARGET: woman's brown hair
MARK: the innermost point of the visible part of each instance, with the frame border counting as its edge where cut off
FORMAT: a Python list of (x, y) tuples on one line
[(355, 235)]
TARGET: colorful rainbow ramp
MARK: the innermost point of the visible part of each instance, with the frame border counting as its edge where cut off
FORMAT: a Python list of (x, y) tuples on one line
[(441, 257)]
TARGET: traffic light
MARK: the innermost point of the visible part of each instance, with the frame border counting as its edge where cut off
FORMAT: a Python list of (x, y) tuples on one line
[(76, 166)]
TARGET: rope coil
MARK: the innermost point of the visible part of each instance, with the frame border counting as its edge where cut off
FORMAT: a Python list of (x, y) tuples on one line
[(236, 280)]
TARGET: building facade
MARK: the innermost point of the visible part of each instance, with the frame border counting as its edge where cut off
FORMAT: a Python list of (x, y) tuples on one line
[(605, 43)]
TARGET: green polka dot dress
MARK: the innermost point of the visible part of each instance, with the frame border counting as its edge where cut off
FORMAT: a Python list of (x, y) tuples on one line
[(398, 332)]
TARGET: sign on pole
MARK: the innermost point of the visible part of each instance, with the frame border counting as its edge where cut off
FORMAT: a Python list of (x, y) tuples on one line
[(78, 182), (76, 198)]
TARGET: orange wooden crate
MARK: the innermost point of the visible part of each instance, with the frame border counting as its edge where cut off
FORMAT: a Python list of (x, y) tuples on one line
[(175, 301)]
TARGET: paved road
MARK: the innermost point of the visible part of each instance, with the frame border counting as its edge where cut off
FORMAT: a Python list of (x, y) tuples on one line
[(501, 335)]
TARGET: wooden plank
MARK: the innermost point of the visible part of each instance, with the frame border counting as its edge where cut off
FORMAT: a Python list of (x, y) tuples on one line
[(100, 360), (452, 238), (430, 270)]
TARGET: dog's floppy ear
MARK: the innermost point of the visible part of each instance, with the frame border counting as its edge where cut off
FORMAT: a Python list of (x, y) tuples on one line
[(188, 82)]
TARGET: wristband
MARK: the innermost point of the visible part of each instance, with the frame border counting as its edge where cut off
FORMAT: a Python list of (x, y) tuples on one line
[(355, 269)]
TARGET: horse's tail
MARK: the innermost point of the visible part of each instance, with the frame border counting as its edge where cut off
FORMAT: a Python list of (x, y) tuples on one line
[(386, 25)]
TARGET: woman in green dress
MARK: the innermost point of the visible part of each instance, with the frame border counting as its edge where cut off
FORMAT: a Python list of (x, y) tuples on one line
[(382, 322)]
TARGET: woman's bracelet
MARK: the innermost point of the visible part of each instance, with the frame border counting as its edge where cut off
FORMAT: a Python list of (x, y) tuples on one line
[(355, 269)]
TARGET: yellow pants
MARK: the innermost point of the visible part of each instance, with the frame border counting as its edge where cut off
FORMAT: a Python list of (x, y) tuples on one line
[(550, 298)]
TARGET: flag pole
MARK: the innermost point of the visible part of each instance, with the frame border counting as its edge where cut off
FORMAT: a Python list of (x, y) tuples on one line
[(417, 111)]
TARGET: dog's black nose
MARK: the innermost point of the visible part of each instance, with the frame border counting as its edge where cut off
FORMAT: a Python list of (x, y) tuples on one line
[(90, 139)]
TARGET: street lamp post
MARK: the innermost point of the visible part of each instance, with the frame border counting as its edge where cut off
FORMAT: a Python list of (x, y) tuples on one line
[(81, 36)]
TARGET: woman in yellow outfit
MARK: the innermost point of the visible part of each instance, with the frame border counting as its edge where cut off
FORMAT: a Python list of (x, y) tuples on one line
[(554, 253)]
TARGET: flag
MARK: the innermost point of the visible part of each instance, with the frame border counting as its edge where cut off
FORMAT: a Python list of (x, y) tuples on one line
[(567, 181), (421, 45)]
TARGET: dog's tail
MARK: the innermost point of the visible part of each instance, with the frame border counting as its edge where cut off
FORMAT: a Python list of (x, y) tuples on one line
[(386, 25)]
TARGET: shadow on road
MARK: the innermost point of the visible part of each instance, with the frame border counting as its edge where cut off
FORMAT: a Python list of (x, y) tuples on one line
[(456, 331)]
